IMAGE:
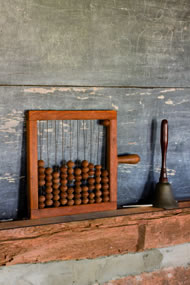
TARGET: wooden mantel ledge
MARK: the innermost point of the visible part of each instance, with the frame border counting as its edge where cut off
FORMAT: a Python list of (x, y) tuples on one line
[(93, 235)]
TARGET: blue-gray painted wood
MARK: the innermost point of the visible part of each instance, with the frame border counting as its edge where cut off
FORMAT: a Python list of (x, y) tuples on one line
[(140, 112), (100, 42)]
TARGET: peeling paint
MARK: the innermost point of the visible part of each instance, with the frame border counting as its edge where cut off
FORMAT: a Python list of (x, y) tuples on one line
[(183, 101), (169, 102), (11, 178), (145, 93), (40, 90), (161, 97), (9, 126), (170, 172), (82, 98), (168, 90), (115, 106), (132, 143)]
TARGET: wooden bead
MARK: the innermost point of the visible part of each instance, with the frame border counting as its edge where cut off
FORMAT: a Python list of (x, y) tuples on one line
[(49, 196), (98, 200), (105, 172), (106, 193), (91, 180), (91, 201), (42, 205), (56, 204), (56, 197), (84, 188), (42, 198), (63, 195), (78, 201), (98, 167), (98, 179), (98, 186), (91, 187), (63, 201), (91, 165), (64, 182), (85, 194), (106, 199), (85, 176), (41, 176), (70, 171), (56, 192), (91, 172), (85, 201), (49, 202), (85, 169), (105, 186), (77, 183), (49, 189), (48, 170), (91, 195), (56, 180), (84, 163), (78, 178), (98, 193), (77, 171), (71, 177), (70, 190), (63, 169), (70, 164), (105, 123), (41, 163), (55, 186), (70, 202), (63, 188), (64, 175), (41, 183), (77, 196), (49, 183), (49, 177), (55, 174), (41, 170), (105, 179), (78, 189), (98, 172), (70, 196)]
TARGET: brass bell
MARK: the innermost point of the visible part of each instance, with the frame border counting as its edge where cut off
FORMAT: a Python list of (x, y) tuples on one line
[(163, 192)]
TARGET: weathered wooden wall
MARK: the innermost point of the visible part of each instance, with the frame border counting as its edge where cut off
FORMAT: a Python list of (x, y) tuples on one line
[(132, 56)]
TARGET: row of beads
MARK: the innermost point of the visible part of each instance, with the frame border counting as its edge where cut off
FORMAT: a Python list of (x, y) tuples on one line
[(70, 186)]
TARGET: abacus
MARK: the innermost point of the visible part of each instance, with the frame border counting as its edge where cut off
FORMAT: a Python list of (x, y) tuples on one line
[(72, 162)]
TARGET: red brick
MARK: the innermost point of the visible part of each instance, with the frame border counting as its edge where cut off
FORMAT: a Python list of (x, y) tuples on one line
[(169, 276)]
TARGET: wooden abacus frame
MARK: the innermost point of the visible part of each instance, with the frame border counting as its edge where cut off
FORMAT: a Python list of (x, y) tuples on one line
[(32, 159)]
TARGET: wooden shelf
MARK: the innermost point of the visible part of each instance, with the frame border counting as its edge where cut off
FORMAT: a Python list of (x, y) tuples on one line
[(93, 235), (82, 217)]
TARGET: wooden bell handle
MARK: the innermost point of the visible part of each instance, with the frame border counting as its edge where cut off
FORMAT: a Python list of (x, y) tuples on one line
[(129, 159), (164, 146)]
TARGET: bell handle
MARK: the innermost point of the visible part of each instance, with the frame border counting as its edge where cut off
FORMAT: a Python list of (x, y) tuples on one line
[(128, 159), (164, 146)]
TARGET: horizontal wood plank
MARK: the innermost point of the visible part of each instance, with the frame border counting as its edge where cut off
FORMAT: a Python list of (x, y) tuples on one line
[(94, 238)]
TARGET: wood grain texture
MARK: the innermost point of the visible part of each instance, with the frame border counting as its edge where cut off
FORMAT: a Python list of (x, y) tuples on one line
[(101, 42), (140, 112), (32, 170), (94, 238), (69, 210)]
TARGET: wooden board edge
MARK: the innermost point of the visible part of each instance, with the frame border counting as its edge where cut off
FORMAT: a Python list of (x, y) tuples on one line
[(72, 210)]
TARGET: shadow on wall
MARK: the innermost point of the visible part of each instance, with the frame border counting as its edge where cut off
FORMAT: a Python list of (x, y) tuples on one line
[(22, 199), (149, 188)]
